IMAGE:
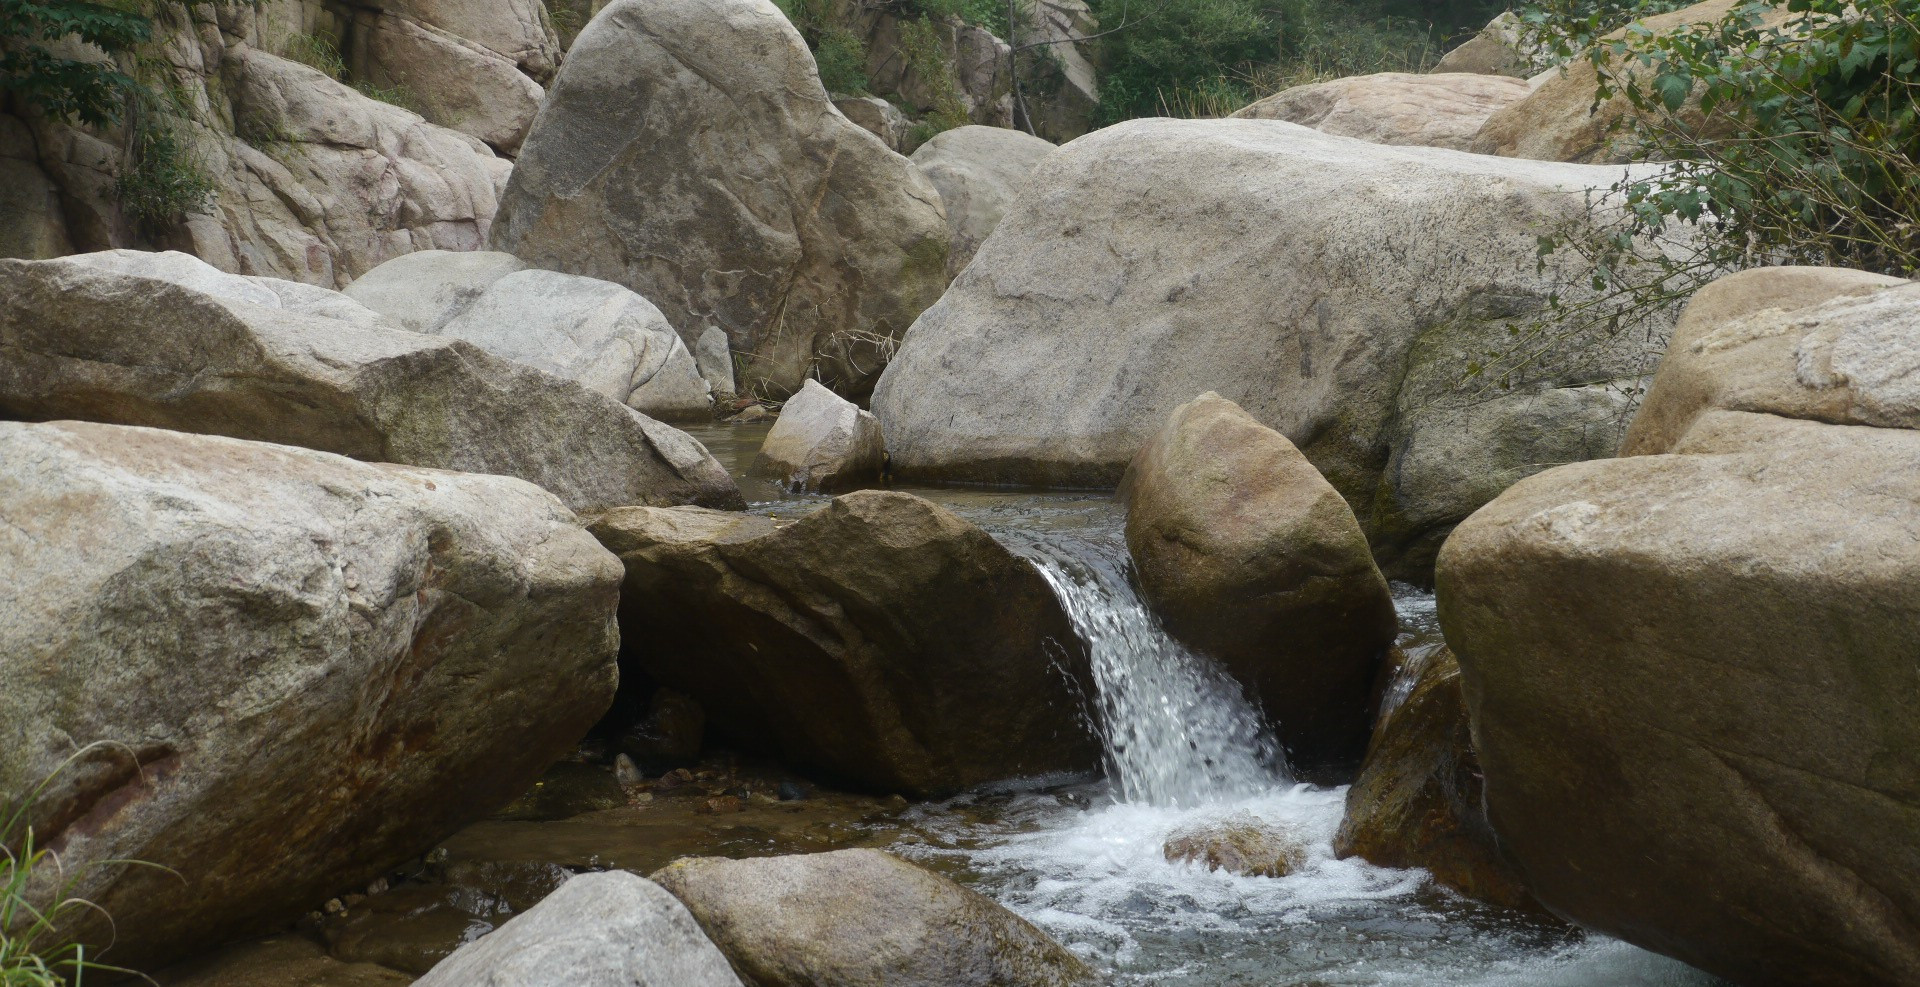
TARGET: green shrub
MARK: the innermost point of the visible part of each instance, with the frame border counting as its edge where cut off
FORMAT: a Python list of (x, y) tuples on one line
[(91, 92), (989, 14), (841, 56), (1790, 144), (1210, 57), (163, 178)]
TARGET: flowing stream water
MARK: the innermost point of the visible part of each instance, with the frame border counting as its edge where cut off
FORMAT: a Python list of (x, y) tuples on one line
[(1184, 749)]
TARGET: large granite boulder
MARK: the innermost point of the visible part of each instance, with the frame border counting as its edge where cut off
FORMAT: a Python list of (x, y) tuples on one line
[(609, 929), (1690, 672), (423, 291), (274, 673), (823, 442), (881, 641), (77, 341), (1438, 110), (610, 340), (1340, 291), (687, 151), (1815, 343), (979, 172), (1250, 557), (863, 918), (1417, 801)]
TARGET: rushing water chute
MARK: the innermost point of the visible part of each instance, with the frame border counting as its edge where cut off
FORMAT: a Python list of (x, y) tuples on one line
[(1178, 730)]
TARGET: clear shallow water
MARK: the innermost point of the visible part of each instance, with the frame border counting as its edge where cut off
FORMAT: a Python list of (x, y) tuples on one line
[(1086, 863)]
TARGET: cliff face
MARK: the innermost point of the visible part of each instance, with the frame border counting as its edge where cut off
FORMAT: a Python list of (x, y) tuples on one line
[(307, 140)]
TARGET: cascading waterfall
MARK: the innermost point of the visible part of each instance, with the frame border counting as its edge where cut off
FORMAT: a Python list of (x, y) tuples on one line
[(1178, 729)]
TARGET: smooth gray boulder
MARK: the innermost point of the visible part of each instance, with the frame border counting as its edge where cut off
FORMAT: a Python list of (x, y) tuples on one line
[(80, 342), (979, 171), (1339, 291), (822, 442), (424, 290), (714, 356), (863, 918), (687, 151), (597, 333), (607, 929), (185, 270), (272, 672)]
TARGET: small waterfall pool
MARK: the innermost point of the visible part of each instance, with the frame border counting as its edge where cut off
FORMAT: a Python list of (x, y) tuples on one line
[(1185, 748)]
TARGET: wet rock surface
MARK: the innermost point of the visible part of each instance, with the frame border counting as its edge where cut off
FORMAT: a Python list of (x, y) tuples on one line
[(881, 641), (863, 918), (1249, 556)]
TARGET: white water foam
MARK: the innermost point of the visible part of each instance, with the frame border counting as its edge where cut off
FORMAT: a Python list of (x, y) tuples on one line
[(1178, 731), (1186, 749)]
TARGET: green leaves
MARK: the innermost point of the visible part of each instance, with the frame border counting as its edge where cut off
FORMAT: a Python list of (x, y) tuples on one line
[(88, 90)]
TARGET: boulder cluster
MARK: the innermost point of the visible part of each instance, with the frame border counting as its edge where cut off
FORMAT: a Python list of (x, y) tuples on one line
[(340, 506)]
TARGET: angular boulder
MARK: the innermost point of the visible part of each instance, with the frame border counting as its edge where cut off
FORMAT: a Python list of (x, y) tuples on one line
[(1159, 259), (471, 67), (687, 151), (1690, 672), (1814, 343), (1417, 800), (1435, 110), (608, 929), (714, 357), (1500, 48), (1250, 557), (423, 291), (80, 342), (823, 442), (283, 672), (608, 339), (979, 172), (880, 641), (862, 918)]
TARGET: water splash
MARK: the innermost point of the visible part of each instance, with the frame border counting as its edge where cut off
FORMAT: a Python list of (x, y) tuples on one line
[(1178, 730)]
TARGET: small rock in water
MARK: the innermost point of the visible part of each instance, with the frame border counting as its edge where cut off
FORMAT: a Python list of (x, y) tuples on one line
[(721, 805), (626, 772), (379, 886), (791, 791), (752, 413), (1240, 845), (674, 779)]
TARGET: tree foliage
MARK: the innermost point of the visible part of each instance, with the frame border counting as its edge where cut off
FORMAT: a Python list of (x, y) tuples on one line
[(38, 55)]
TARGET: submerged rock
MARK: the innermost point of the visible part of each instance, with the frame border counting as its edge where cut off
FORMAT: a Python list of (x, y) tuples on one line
[(863, 918), (1250, 557), (1337, 290), (822, 441), (1417, 800), (286, 672), (1691, 673), (1241, 844), (610, 929), (979, 171), (881, 641), (1437, 110), (687, 151), (80, 342)]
